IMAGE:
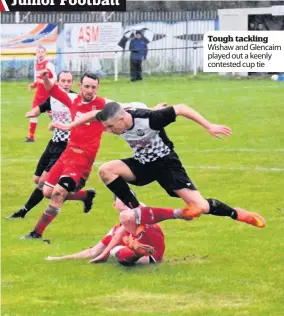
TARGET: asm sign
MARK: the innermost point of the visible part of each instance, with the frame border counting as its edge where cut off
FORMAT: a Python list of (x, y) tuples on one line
[(89, 34), (92, 37)]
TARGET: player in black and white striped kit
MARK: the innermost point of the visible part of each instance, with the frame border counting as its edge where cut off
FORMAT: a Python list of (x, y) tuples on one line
[(155, 160), (55, 147)]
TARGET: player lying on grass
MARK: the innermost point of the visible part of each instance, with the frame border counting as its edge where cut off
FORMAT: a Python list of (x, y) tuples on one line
[(155, 160), (145, 245)]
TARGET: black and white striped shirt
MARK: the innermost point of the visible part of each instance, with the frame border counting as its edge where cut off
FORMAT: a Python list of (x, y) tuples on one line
[(147, 136)]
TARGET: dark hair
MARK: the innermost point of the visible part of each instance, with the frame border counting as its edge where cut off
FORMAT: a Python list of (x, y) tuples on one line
[(110, 110), (90, 75), (64, 72)]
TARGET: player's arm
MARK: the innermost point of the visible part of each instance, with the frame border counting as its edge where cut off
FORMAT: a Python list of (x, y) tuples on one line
[(162, 118), (32, 85), (52, 73), (212, 129), (116, 240), (86, 118), (85, 254), (54, 89)]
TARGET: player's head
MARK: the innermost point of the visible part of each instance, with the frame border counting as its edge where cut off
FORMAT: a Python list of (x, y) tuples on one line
[(89, 85), (113, 117), (65, 80), (40, 53)]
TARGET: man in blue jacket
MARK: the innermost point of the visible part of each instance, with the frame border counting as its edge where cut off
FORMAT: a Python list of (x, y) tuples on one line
[(139, 49)]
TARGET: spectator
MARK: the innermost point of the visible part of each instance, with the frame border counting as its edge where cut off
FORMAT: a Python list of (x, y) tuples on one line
[(139, 49)]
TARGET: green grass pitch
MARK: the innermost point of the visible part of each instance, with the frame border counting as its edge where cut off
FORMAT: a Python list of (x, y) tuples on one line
[(212, 265)]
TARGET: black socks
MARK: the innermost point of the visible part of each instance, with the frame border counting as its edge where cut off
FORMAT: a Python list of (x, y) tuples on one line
[(218, 208), (121, 189), (34, 199)]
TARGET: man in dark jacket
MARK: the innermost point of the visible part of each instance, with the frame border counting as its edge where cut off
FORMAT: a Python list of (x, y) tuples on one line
[(139, 49)]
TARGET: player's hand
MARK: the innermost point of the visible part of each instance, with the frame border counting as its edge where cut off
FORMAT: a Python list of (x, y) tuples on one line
[(100, 259), (49, 258), (44, 74), (62, 127), (160, 106), (31, 86), (219, 130)]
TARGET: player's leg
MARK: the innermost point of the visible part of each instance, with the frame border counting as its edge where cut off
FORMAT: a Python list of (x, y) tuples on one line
[(38, 178), (177, 183), (33, 121), (79, 169), (57, 195), (86, 196), (125, 256), (115, 175)]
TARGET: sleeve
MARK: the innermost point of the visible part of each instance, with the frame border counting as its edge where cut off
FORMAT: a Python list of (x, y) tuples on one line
[(162, 118), (146, 50), (134, 105), (45, 106), (51, 68), (61, 96)]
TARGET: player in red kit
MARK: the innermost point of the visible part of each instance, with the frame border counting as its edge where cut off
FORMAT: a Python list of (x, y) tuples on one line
[(70, 173), (41, 94), (146, 246)]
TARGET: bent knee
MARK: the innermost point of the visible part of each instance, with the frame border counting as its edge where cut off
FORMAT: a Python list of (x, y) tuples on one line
[(47, 191), (36, 179), (105, 171)]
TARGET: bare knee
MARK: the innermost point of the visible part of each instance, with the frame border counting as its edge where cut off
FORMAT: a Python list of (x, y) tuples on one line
[(105, 172), (47, 191), (36, 179), (58, 194), (40, 184)]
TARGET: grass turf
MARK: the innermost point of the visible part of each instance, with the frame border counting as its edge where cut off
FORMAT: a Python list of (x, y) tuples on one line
[(212, 266)]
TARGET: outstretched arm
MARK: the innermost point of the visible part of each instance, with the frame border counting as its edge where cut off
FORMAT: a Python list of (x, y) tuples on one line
[(213, 129), (92, 252), (54, 89), (86, 118)]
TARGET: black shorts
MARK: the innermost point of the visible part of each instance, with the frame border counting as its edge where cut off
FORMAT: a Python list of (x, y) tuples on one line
[(49, 157), (167, 171)]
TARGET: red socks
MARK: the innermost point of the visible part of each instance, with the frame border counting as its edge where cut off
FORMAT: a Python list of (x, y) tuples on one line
[(44, 221), (152, 215), (79, 196), (32, 130)]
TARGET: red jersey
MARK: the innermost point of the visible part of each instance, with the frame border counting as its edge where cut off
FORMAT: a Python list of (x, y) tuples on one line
[(87, 136), (41, 92)]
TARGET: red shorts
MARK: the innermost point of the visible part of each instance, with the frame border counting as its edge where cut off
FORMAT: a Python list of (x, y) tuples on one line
[(38, 100), (70, 164)]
